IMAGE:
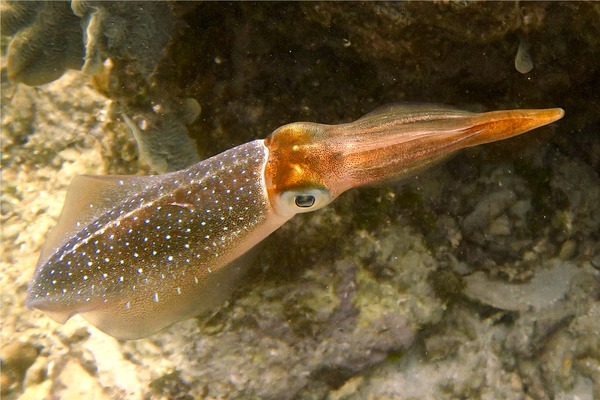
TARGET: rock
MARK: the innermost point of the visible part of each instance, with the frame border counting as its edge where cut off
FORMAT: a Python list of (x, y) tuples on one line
[(546, 288), (523, 61), (567, 250), (501, 226), (36, 392), (37, 373), (75, 383), (16, 358), (488, 208)]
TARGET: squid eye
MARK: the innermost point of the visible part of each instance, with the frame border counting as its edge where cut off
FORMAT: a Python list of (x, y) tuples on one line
[(304, 200), (290, 202)]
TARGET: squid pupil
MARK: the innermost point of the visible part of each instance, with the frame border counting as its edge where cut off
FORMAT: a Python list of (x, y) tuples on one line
[(305, 200)]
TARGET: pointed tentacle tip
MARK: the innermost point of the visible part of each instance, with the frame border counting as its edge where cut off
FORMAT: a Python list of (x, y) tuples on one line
[(499, 125), (527, 120), (533, 119), (549, 115)]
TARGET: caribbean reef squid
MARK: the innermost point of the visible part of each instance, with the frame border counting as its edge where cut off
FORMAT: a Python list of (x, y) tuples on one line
[(134, 254)]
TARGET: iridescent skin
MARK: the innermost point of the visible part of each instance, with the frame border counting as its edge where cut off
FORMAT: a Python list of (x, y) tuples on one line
[(133, 255)]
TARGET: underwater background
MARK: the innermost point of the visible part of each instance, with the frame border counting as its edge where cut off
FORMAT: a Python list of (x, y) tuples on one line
[(479, 278)]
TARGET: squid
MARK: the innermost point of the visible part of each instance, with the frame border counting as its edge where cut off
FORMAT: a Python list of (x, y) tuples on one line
[(135, 254)]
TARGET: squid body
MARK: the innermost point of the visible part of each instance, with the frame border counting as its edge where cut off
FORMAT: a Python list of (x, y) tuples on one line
[(133, 254)]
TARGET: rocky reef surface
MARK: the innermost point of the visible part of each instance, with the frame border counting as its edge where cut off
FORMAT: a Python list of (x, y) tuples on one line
[(477, 279)]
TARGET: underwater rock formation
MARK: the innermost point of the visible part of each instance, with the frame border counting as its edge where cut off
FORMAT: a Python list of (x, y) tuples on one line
[(50, 37)]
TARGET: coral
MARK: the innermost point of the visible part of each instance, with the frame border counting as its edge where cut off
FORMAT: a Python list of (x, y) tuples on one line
[(130, 32), (163, 141), (46, 40), (134, 35), (50, 37)]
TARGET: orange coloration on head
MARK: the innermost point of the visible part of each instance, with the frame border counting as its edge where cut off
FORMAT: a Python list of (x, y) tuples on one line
[(298, 157)]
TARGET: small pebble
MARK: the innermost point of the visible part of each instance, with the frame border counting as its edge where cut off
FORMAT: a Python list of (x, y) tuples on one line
[(7, 384), (501, 226), (567, 250), (523, 60)]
